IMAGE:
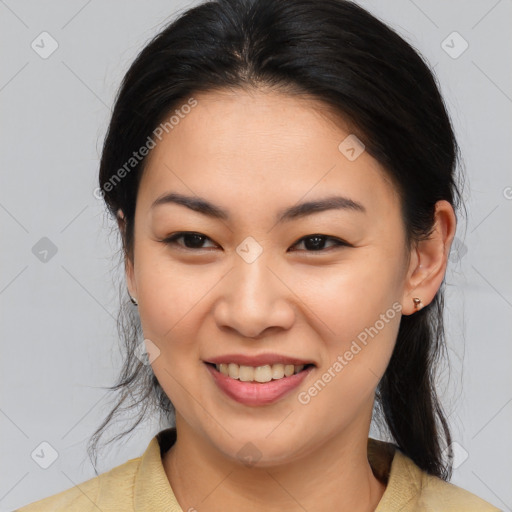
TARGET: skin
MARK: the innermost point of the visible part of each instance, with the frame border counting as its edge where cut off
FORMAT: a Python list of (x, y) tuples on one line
[(255, 153)]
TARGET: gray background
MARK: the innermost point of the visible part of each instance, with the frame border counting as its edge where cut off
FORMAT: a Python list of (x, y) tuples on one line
[(58, 316)]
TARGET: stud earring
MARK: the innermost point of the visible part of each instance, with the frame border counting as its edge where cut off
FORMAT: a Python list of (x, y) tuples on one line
[(417, 303), (133, 300)]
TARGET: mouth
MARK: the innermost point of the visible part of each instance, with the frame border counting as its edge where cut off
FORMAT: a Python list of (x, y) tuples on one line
[(257, 385), (259, 374)]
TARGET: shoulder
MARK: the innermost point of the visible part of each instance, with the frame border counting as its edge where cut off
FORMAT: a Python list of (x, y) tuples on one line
[(437, 494), (108, 491), (419, 491)]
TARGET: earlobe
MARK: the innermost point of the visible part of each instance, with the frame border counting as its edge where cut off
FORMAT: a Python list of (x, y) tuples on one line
[(120, 220), (428, 264)]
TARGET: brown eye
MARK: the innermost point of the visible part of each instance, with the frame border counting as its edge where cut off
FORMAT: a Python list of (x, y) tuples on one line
[(316, 243), (191, 240)]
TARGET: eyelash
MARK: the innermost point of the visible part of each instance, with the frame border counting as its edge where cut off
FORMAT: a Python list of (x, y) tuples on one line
[(172, 240)]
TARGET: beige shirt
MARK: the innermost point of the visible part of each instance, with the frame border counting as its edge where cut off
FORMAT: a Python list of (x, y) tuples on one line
[(141, 485)]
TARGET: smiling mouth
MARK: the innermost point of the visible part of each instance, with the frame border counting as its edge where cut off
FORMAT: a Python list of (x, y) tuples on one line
[(261, 374)]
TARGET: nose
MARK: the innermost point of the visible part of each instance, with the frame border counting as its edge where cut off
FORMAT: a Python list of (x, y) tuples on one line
[(254, 300)]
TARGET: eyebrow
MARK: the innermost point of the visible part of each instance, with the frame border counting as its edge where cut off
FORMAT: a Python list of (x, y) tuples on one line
[(301, 210)]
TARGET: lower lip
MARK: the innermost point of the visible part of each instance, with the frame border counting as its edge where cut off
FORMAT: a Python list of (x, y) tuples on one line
[(257, 393)]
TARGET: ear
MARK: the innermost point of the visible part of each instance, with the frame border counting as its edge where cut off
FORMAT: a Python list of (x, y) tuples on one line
[(128, 266), (429, 260)]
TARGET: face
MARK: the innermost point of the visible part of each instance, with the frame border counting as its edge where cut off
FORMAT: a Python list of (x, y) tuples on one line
[(322, 288)]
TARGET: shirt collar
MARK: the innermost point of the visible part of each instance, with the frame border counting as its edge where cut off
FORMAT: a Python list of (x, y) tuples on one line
[(152, 490), (400, 474)]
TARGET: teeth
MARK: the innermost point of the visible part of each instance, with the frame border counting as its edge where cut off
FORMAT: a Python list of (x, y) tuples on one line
[(246, 373), (264, 373), (233, 370), (277, 371), (288, 370)]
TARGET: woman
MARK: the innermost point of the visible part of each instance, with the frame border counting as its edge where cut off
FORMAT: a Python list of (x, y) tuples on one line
[(283, 178)]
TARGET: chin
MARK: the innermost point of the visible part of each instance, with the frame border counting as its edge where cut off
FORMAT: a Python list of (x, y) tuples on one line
[(261, 451)]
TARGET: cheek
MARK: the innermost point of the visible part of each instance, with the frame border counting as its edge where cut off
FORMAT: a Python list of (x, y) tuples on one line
[(172, 301), (357, 312), (350, 296), (171, 294), (358, 345)]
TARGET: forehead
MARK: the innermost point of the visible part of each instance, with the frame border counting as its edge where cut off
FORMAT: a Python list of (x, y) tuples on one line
[(258, 148)]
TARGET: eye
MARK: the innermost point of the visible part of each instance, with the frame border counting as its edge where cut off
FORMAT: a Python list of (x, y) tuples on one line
[(194, 241), (316, 243)]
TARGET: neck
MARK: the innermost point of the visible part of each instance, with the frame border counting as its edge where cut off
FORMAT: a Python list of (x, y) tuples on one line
[(335, 476)]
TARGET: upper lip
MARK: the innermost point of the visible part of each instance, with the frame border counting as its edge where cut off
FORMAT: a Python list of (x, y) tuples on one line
[(259, 360)]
